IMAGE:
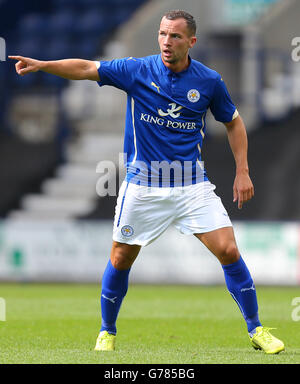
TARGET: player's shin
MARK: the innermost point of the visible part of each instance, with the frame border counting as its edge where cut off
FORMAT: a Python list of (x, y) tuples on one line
[(114, 289), (241, 287)]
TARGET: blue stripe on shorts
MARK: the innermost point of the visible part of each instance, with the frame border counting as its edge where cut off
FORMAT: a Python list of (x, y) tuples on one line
[(123, 199)]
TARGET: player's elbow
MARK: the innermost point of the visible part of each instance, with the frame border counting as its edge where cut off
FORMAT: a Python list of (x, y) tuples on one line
[(91, 72)]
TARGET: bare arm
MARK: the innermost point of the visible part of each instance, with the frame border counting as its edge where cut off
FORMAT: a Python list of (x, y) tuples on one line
[(72, 69), (243, 189)]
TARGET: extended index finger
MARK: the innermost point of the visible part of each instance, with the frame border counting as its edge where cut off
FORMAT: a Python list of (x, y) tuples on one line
[(16, 57)]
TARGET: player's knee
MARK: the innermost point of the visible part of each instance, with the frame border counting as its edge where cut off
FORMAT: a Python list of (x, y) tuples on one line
[(121, 259), (120, 262), (229, 254)]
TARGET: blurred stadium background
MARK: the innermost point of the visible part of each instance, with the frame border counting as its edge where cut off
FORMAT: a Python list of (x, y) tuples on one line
[(53, 133)]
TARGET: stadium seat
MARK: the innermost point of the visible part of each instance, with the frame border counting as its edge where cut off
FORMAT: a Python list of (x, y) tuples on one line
[(88, 47), (66, 188), (49, 80), (47, 204), (64, 4), (91, 23), (121, 16), (58, 48), (25, 81), (30, 215), (124, 3), (62, 23), (77, 172), (117, 3), (91, 3), (29, 47), (33, 25), (91, 148)]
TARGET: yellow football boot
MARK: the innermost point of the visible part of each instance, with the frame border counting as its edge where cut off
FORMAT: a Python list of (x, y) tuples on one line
[(105, 342), (265, 341)]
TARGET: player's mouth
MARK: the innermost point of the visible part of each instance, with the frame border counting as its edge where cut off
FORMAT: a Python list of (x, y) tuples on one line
[(167, 53)]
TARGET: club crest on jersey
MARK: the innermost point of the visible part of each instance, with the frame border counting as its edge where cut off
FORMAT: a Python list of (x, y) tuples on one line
[(193, 95), (127, 231)]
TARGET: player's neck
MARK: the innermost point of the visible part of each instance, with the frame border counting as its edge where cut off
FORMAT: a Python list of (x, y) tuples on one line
[(178, 66)]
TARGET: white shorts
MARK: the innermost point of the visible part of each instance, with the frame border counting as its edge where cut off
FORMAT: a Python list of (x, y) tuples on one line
[(143, 213)]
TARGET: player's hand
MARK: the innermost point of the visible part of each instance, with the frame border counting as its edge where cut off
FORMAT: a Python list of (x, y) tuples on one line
[(243, 189), (25, 65)]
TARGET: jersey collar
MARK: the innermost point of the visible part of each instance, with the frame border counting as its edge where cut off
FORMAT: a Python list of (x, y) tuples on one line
[(168, 71)]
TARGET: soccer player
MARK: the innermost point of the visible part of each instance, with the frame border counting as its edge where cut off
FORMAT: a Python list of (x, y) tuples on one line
[(168, 98)]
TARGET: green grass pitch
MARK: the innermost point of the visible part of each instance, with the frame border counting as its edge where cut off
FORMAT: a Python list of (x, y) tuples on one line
[(59, 323)]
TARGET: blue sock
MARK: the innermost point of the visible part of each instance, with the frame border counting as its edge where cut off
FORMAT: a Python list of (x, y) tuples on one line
[(114, 289), (241, 287)]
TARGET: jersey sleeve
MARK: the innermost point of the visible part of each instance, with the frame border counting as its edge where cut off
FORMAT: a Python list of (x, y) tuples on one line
[(221, 104), (120, 73)]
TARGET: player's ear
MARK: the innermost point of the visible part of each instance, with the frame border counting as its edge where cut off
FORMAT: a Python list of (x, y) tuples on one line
[(193, 41)]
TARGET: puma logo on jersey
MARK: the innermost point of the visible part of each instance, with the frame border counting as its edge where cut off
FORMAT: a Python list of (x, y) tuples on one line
[(173, 111), (156, 86)]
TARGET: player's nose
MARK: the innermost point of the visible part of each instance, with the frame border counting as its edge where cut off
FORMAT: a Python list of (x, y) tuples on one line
[(167, 41)]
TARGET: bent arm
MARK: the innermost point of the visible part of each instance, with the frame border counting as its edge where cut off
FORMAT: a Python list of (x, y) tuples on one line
[(71, 69), (243, 189)]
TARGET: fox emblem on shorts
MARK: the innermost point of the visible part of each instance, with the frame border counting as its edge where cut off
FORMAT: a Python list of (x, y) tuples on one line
[(127, 231)]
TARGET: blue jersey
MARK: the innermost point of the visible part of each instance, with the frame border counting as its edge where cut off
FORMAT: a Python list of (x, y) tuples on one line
[(165, 119)]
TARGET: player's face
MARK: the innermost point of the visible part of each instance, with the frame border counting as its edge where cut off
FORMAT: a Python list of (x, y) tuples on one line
[(175, 41)]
